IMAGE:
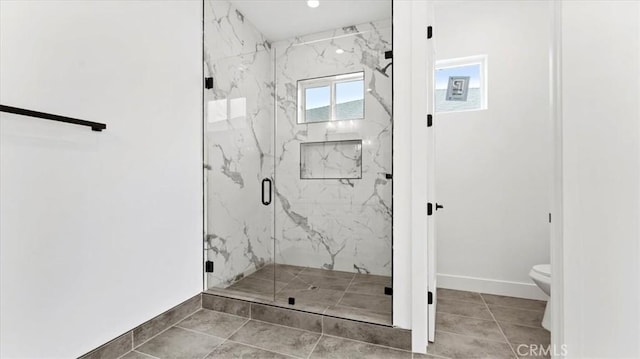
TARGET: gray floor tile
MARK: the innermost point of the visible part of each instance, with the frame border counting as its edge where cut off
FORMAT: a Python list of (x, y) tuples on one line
[(425, 356), (328, 273), (519, 334), (473, 327), (287, 317), (338, 348), (384, 280), (376, 303), (231, 349), (257, 286), (283, 273), (318, 298), (112, 349), (226, 305), (136, 355), (458, 346), (308, 280), (213, 323), (165, 320), (371, 288), (180, 343), (364, 315), (460, 295), (521, 303), (277, 338), (369, 333), (467, 309), (531, 318)]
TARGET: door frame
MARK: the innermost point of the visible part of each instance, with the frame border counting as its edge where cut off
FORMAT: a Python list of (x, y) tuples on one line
[(410, 272)]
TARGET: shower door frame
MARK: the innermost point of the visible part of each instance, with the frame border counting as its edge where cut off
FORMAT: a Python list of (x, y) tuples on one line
[(205, 168)]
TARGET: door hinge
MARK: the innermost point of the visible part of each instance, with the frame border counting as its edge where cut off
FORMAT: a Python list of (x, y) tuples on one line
[(388, 176), (388, 54), (208, 266), (208, 82), (430, 298), (429, 32), (549, 217), (388, 291), (429, 120), (429, 209)]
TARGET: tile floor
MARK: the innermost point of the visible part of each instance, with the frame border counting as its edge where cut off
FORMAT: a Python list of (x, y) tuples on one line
[(475, 325), (469, 325), (341, 294)]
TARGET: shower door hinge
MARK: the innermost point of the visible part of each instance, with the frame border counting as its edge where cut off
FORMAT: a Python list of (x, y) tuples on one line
[(388, 291), (429, 209), (549, 217), (429, 32), (388, 54), (429, 120), (388, 176), (208, 82), (208, 266), (430, 298)]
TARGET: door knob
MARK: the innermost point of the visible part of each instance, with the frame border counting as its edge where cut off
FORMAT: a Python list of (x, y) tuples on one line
[(439, 206)]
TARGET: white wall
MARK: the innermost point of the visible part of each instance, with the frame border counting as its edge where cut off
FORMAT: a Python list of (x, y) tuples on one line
[(410, 61), (601, 136), (99, 231), (493, 167)]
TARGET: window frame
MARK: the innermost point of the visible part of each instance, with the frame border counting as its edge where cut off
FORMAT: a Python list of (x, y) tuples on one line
[(327, 81), (482, 61)]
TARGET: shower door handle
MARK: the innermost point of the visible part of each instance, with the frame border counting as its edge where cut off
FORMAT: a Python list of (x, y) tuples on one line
[(267, 201)]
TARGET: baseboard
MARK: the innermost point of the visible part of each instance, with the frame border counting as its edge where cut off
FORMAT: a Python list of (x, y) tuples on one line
[(145, 331), (491, 286)]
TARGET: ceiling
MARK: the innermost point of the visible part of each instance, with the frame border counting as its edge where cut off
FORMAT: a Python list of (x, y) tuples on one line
[(282, 19)]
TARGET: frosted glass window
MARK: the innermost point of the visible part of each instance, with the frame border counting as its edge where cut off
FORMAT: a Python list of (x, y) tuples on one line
[(461, 84), (317, 104), (350, 100)]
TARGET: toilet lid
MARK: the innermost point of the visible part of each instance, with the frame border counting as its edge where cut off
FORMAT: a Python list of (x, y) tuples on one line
[(544, 269)]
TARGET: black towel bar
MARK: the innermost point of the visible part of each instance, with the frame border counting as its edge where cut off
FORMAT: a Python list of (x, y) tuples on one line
[(95, 126)]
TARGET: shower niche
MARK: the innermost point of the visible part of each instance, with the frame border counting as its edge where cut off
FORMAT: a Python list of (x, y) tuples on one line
[(298, 142)]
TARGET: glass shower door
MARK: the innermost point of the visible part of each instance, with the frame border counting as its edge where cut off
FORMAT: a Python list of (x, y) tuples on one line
[(238, 130), (333, 164)]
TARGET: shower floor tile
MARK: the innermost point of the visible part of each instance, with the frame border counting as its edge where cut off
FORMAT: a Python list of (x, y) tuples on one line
[(336, 293)]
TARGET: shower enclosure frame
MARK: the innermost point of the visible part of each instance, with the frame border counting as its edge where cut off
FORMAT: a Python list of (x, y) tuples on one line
[(206, 167)]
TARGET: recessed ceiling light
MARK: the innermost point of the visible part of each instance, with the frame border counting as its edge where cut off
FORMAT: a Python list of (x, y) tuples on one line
[(313, 3), (339, 51)]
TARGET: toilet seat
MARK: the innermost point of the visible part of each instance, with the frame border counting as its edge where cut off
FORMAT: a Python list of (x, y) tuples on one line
[(542, 269)]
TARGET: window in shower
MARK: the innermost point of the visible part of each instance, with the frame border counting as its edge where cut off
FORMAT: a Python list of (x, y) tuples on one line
[(331, 98), (461, 84)]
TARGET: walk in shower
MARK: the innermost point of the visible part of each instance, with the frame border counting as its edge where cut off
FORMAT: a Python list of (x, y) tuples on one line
[(298, 155)]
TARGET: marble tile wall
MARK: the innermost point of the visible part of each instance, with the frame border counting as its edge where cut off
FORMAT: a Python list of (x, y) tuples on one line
[(329, 160), (335, 224), (239, 136)]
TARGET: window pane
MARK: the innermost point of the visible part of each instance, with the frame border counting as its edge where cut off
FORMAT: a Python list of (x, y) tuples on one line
[(317, 104), (350, 100), (458, 88)]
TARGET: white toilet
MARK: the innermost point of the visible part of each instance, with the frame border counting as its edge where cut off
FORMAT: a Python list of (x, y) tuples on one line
[(541, 275)]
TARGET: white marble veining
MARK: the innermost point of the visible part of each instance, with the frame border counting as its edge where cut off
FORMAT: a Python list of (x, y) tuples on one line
[(252, 133), (335, 224), (331, 160)]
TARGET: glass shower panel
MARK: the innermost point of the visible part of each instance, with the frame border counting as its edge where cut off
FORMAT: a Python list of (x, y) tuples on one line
[(333, 177), (238, 130)]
